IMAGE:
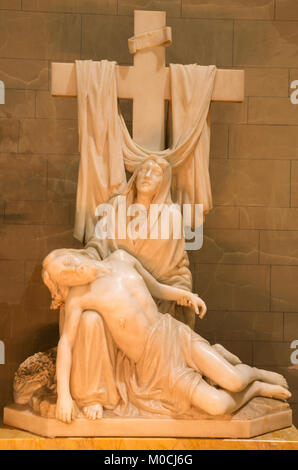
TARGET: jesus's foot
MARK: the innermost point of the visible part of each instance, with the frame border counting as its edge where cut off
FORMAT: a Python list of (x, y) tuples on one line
[(274, 391), (272, 378), (93, 412)]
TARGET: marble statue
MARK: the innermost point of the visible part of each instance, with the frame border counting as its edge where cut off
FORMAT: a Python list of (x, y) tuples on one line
[(92, 376), (162, 361)]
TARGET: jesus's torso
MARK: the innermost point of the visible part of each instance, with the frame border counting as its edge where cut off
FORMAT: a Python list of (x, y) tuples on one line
[(125, 303)]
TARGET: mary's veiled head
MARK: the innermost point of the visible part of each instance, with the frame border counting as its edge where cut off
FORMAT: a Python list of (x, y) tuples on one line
[(149, 178), (152, 179)]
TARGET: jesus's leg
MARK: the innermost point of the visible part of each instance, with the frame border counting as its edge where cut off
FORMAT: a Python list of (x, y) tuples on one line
[(231, 358), (219, 402), (234, 378)]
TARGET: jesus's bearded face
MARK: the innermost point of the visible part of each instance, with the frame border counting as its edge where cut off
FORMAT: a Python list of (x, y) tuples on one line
[(73, 269)]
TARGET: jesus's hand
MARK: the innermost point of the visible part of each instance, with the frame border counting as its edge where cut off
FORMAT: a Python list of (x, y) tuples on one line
[(65, 409), (188, 299)]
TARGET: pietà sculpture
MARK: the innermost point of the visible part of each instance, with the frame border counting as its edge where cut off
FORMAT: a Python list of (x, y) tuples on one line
[(158, 361)]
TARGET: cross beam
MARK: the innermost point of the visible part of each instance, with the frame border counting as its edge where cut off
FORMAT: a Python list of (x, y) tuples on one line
[(147, 83)]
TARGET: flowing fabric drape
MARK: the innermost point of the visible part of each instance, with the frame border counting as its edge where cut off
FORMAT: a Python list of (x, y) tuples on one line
[(107, 148)]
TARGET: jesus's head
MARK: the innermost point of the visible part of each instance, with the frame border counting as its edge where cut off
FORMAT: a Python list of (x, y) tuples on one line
[(65, 268)]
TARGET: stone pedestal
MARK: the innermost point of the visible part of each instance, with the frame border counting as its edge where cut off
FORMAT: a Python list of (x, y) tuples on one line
[(260, 416), (14, 439)]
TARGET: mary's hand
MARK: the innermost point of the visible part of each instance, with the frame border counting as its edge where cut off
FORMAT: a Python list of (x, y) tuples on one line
[(188, 299)]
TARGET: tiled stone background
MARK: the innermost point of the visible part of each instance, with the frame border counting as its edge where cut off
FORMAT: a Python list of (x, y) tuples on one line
[(247, 270)]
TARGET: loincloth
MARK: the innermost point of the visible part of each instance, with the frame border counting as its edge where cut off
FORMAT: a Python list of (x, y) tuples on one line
[(165, 376)]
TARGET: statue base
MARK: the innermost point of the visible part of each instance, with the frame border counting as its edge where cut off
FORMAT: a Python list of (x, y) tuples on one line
[(260, 416)]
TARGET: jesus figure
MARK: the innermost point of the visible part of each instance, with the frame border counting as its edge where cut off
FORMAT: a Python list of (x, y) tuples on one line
[(170, 362)]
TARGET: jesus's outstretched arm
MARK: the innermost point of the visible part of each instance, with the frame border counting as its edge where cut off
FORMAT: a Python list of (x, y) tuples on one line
[(163, 291)]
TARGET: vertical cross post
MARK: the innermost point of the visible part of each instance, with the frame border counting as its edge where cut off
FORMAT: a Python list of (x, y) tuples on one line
[(150, 83)]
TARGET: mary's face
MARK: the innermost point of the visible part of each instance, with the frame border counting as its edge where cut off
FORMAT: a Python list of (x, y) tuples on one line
[(149, 178)]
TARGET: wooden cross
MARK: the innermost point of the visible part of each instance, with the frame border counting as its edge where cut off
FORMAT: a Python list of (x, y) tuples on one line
[(147, 83)]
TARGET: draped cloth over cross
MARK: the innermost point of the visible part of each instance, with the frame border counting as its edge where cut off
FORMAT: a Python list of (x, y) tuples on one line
[(107, 148)]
